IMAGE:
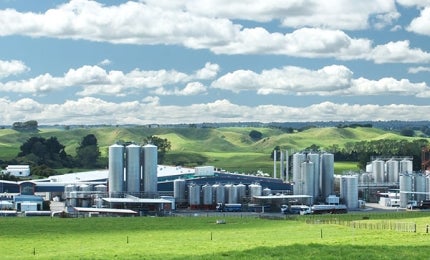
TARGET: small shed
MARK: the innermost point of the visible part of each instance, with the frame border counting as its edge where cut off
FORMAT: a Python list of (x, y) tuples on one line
[(18, 170)]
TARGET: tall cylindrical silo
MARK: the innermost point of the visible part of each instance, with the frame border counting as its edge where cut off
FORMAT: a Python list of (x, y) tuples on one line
[(405, 189), (392, 171), (232, 194), (315, 159), (405, 166), (327, 174), (207, 195), (179, 190), (298, 159), (241, 191), (255, 189), (420, 187), (150, 170), (194, 195), (427, 187), (219, 193), (308, 178), (378, 171), (349, 190), (132, 170), (116, 170)]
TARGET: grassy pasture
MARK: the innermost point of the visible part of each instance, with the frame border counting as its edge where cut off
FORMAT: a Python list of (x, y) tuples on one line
[(202, 238)]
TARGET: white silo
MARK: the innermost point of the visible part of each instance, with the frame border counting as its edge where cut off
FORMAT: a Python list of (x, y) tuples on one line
[(327, 174), (241, 191), (349, 190), (194, 195), (308, 179), (219, 193), (116, 170), (315, 159), (207, 195), (405, 166), (298, 159), (254, 189), (405, 189), (179, 190), (420, 187), (427, 187), (132, 170), (267, 191), (150, 170), (378, 171), (392, 171), (232, 194)]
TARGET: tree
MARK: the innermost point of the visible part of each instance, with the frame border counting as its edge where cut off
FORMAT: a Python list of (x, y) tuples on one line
[(25, 126), (255, 135), (38, 151), (88, 152), (163, 146)]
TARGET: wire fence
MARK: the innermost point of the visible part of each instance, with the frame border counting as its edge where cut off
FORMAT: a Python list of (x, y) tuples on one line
[(380, 225)]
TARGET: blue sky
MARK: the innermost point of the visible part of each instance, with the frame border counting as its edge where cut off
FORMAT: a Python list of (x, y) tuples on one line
[(168, 62)]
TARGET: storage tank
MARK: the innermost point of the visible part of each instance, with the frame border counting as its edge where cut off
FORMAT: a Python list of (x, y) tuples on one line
[(207, 195), (267, 191), (116, 170), (378, 171), (427, 188), (85, 190), (315, 159), (241, 191), (232, 195), (194, 195), (349, 190), (420, 187), (132, 170), (298, 159), (392, 171), (307, 179), (405, 189), (101, 190), (254, 189), (405, 166), (327, 174), (150, 159), (179, 190), (219, 193), (69, 188)]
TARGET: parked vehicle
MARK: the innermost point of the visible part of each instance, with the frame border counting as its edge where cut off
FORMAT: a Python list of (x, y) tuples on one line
[(229, 207), (296, 209), (328, 208)]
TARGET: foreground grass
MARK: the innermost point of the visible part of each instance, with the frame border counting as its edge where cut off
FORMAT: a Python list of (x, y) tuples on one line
[(201, 238)]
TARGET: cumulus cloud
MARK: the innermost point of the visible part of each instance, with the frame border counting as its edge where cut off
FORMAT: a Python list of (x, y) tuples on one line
[(421, 24), (13, 67), (90, 110), (191, 89), (411, 3), (105, 62), (327, 81), (399, 52), (94, 80), (415, 70)]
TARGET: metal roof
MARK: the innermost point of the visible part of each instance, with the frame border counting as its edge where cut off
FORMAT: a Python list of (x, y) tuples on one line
[(105, 210), (134, 200), (282, 197)]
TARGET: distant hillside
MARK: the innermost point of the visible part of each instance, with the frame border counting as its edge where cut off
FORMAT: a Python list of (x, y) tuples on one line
[(230, 148)]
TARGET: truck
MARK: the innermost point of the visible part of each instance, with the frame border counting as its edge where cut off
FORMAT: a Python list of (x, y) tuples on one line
[(229, 207), (296, 209), (329, 208)]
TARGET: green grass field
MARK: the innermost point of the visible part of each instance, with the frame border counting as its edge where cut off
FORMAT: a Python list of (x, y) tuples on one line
[(202, 238)]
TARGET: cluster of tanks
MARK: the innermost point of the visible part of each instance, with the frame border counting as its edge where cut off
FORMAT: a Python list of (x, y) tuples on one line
[(208, 196), (85, 195), (140, 176), (386, 170)]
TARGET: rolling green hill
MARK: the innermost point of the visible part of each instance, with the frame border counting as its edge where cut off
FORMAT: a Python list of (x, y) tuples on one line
[(230, 148)]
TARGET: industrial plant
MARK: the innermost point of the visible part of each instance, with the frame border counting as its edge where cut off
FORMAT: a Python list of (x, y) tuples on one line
[(134, 184)]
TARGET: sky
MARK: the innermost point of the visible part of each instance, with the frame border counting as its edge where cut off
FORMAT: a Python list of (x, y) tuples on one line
[(172, 62)]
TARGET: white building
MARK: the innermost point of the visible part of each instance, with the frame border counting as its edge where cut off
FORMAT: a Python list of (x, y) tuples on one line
[(18, 170)]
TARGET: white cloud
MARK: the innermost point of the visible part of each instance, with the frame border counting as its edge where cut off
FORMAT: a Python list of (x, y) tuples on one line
[(191, 89), (13, 67), (415, 70), (94, 80), (105, 62), (411, 3), (327, 81), (421, 24), (96, 111), (398, 52)]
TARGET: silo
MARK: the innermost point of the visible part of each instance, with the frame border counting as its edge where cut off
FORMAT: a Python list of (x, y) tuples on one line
[(179, 190), (207, 195), (116, 170), (420, 187), (308, 178), (405, 166), (241, 191), (267, 191), (194, 195), (70, 191), (349, 190), (101, 190), (405, 189), (132, 170), (327, 174), (232, 193), (392, 171), (150, 170), (315, 159), (298, 159), (427, 187), (219, 193), (378, 171), (255, 189)]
